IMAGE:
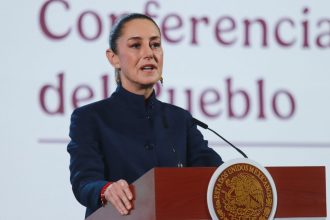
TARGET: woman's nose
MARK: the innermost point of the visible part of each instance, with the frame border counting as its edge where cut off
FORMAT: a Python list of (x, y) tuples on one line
[(147, 52)]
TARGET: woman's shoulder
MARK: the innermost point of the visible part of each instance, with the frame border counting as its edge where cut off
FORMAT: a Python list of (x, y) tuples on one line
[(96, 106), (174, 109)]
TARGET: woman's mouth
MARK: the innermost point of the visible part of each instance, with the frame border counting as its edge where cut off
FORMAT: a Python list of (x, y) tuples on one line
[(148, 67)]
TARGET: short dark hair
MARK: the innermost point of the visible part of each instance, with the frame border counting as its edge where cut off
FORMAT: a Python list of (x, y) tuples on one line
[(116, 30)]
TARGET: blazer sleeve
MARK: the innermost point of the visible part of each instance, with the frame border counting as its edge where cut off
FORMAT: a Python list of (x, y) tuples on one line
[(86, 160), (199, 154)]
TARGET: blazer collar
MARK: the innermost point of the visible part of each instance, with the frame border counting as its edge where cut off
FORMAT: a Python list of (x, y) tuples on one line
[(137, 102)]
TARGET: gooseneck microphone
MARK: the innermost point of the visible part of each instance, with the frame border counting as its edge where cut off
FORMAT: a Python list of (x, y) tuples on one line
[(205, 126)]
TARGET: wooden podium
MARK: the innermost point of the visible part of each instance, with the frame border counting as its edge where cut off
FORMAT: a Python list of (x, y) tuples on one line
[(181, 193)]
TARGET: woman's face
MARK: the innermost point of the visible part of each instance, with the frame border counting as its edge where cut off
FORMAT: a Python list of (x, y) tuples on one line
[(139, 55)]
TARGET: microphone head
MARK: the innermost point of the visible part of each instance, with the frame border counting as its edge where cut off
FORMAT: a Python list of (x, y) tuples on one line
[(199, 123)]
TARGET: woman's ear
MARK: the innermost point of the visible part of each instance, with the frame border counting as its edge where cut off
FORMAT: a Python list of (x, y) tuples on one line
[(113, 58)]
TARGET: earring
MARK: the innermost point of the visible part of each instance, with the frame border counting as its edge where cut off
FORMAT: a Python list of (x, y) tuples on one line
[(117, 76), (161, 80)]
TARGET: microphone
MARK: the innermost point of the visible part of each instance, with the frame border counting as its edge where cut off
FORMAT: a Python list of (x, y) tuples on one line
[(205, 126)]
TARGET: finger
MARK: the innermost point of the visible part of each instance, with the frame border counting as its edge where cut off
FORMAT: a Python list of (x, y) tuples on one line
[(128, 193), (122, 195), (117, 202), (126, 201), (126, 189), (122, 183)]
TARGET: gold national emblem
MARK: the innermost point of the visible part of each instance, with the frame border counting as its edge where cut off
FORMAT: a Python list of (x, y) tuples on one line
[(242, 191)]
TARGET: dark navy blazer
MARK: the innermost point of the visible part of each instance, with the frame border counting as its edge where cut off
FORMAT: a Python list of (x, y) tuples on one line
[(124, 136)]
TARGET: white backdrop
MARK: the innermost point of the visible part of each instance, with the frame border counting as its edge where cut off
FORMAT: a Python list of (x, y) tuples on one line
[(255, 71)]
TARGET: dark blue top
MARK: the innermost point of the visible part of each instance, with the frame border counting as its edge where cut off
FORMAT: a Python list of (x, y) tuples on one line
[(124, 136)]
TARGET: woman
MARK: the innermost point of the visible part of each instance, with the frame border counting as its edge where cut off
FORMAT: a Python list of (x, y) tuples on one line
[(117, 140)]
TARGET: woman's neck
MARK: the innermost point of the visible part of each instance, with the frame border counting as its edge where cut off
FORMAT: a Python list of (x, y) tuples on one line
[(146, 91)]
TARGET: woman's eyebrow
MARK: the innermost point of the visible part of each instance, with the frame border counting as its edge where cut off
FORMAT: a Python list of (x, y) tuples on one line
[(139, 38), (154, 38), (134, 38)]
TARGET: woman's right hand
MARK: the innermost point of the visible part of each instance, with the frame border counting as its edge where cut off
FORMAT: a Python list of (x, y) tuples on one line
[(120, 196)]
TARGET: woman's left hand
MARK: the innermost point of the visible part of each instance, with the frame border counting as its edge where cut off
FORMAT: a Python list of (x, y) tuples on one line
[(120, 196)]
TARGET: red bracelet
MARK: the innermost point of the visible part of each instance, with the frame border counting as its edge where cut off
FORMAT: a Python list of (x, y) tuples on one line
[(104, 188)]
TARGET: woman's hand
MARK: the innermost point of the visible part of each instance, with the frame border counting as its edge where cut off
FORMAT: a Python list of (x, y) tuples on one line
[(120, 196)]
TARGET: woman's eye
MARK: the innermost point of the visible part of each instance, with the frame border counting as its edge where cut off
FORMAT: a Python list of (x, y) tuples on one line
[(135, 46), (155, 45)]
